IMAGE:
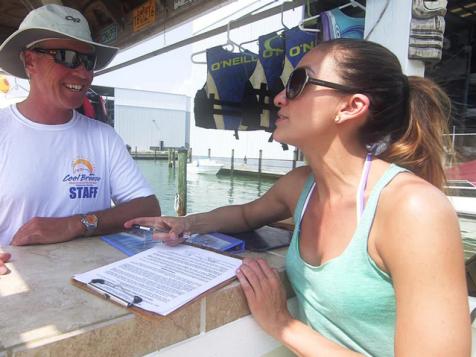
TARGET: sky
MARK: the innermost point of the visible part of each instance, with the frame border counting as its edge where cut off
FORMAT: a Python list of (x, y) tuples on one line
[(174, 72)]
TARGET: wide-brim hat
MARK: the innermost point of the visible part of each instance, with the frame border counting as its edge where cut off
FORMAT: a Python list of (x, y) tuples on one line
[(50, 22)]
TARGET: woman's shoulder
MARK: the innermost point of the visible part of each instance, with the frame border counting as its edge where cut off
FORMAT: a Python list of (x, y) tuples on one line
[(407, 191), (289, 186), (297, 177), (299, 173), (413, 208)]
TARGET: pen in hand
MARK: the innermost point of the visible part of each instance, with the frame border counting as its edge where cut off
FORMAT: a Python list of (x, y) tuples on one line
[(173, 241), (150, 229)]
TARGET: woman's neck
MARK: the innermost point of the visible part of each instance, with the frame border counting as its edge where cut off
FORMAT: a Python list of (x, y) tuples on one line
[(338, 171)]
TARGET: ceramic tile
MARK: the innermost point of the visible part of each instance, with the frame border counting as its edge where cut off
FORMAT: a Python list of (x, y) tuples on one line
[(225, 305), (130, 337), (274, 260)]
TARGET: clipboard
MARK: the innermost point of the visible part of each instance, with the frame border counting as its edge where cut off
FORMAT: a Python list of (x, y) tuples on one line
[(97, 283), (144, 313)]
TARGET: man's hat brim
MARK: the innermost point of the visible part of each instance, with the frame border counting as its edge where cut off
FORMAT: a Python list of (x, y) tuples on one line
[(10, 50)]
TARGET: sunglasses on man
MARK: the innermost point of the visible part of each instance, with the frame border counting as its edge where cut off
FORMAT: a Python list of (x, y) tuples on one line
[(69, 58), (299, 79)]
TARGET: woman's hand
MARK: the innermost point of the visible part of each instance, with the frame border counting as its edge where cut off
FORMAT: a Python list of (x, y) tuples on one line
[(265, 295), (170, 230)]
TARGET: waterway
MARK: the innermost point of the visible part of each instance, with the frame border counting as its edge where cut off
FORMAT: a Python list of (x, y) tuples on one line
[(204, 192)]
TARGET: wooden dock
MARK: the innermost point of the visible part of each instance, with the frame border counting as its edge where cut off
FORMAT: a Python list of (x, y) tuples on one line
[(250, 173), (157, 155)]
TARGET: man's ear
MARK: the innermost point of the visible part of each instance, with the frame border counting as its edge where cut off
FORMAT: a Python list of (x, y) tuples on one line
[(28, 61), (355, 107)]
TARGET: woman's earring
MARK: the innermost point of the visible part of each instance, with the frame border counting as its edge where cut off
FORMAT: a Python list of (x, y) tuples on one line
[(337, 119)]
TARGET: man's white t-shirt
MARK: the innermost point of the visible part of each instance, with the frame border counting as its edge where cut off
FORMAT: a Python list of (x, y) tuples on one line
[(61, 170)]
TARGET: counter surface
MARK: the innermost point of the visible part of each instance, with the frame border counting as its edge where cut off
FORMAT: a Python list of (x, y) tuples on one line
[(42, 313)]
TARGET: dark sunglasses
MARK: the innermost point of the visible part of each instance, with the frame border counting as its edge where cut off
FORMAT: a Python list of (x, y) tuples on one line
[(299, 79), (69, 58)]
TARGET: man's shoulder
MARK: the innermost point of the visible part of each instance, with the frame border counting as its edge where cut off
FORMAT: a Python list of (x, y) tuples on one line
[(6, 110), (5, 114)]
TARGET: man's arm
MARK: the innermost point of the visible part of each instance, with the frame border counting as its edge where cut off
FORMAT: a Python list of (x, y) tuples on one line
[(44, 230)]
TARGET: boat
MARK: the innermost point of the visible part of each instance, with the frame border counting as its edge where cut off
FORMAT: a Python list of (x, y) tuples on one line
[(205, 166)]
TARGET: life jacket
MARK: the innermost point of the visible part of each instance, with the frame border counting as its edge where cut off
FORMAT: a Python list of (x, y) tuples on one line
[(265, 80), (297, 44), (87, 108), (336, 24), (219, 104), (240, 87), (94, 107)]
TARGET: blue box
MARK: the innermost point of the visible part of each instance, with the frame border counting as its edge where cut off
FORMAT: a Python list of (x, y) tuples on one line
[(218, 241), (131, 242)]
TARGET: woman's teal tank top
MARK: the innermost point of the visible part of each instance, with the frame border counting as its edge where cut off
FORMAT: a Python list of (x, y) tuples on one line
[(348, 299)]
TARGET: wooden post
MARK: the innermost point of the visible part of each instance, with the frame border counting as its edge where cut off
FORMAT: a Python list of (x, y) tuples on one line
[(295, 157), (209, 153), (190, 155), (155, 154), (174, 157), (181, 208), (232, 164), (169, 157), (260, 159)]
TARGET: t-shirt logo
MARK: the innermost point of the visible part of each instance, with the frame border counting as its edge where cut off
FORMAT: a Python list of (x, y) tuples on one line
[(82, 166), (82, 180)]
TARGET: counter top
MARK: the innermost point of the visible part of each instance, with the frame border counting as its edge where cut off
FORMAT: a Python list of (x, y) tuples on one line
[(42, 313)]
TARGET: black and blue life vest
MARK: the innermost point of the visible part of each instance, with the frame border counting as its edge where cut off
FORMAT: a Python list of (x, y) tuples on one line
[(297, 44), (265, 80), (219, 104)]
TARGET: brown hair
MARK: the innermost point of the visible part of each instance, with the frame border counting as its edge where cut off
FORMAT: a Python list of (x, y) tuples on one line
[(411, 113)]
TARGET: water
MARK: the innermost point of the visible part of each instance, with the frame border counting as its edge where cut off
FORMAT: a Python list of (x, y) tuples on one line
[(252, 164), (204, 192)]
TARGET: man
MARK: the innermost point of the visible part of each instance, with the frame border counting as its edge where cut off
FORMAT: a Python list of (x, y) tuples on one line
[(59, 170)]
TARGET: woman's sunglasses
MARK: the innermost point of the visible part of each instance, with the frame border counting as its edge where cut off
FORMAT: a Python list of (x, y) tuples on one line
[(70, 58), (299, 79)]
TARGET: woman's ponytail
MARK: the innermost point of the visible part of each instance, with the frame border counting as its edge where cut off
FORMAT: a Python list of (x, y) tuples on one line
[(421, 146)]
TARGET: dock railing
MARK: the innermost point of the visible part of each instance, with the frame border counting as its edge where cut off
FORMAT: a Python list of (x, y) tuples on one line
[(256, 166)]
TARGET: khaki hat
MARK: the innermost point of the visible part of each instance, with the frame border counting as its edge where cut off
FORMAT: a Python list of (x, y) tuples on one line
[(50, 22)]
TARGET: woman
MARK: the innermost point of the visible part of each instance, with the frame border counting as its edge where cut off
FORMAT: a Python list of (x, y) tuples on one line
[(376, 259)]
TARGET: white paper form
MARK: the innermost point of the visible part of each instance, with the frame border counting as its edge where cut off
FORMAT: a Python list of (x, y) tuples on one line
[(164, 277)]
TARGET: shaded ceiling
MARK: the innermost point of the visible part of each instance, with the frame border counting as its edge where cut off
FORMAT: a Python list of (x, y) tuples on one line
[(463, 9), (120, 23)]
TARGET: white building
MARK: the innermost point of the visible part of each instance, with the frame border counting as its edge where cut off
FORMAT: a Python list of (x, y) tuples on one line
[(146, 119)]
